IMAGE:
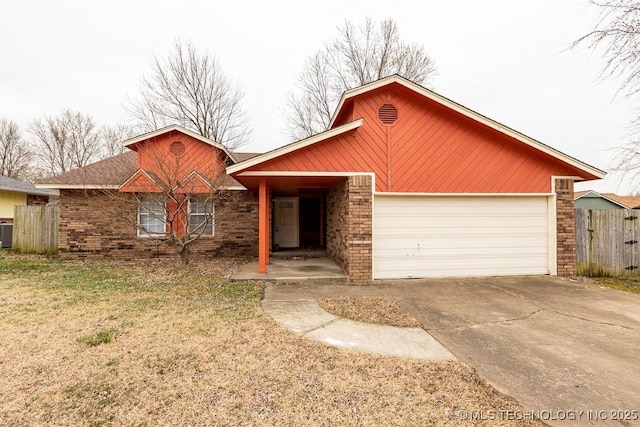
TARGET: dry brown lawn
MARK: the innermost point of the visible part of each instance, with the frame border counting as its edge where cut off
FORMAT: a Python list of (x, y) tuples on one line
[(377, 310), (148, 343)]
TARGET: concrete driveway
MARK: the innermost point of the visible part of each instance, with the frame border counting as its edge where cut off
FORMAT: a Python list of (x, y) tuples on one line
[(553, 344)]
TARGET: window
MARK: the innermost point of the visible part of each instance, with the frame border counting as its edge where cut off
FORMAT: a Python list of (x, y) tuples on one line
[(151, 218), (201, 217)]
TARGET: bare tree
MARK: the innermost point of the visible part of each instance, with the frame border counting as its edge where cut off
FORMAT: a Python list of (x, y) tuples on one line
[(189, 88), (359, 55), (177, 205), (67, 141), (112, 138), (15, 155), (617, 33)]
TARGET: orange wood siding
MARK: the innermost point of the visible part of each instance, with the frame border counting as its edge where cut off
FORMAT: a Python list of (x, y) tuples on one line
[(140, 183), (155, 155), (430, 148)]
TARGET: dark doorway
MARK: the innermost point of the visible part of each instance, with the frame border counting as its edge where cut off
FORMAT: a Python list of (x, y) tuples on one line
[(312, 222)]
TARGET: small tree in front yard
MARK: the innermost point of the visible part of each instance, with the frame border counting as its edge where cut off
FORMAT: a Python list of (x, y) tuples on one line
[(176, 202)]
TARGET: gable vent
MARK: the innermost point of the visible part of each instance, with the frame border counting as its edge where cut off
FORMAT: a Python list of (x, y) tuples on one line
[(178, 148), (388, 114)]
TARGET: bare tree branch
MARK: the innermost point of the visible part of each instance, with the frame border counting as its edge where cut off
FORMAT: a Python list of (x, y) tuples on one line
[(16, 156), (188, 88), (617, 32), (359, 55), (67, 141), (112, 138)]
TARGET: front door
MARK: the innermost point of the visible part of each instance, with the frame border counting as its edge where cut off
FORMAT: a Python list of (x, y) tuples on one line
[(285, 230)]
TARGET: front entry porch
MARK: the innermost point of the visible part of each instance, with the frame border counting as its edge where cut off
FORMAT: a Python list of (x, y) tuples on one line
[(294, 266), (325, 210)]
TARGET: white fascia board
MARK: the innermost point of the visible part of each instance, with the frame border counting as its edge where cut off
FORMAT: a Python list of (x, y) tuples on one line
[(79, 186), (296, 173), (294, 146), (468, 113), (464, 194), (136, 174), (30, 192), (589, 192)]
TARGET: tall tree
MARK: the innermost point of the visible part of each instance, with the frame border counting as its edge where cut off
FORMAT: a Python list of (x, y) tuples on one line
[(66, 141), (617, 33), (189, 88), (15, 155), (359, 55), (112, 138)]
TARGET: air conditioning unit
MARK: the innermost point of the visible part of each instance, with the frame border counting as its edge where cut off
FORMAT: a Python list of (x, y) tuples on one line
[(6, 235)]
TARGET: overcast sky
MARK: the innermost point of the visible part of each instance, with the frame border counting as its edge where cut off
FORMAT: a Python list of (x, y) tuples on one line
[(503, 58)]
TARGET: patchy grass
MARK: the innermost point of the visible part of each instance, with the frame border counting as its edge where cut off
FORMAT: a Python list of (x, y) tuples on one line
[(628, 284), (104, 336), (377, 310), (188, 347)]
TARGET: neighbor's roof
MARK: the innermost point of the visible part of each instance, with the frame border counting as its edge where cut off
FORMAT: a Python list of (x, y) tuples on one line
[(416, 88), (109, 173), (578, 194), (628, 202), (17, 186), (594, 194), (631, 202)]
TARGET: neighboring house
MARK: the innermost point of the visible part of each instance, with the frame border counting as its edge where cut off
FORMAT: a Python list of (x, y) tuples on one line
[(593, 200), (14, 192), (405, 183)]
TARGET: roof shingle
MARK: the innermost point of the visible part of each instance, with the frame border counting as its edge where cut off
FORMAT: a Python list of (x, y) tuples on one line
[(111, 172), (17, 186)]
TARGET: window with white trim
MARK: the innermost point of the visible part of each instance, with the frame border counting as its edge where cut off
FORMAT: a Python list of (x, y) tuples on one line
[(201, 217), (151, 218)]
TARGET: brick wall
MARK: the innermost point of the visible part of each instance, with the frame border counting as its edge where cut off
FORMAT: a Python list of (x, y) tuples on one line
[(349, 227), (102, 224), (360, 233), (337, 223), (565, 227), (34, 200)]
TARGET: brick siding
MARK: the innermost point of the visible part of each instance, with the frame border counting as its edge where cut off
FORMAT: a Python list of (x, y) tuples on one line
[(102, 224), (337, 223), (565, 227), (349, 227), (35, 200)]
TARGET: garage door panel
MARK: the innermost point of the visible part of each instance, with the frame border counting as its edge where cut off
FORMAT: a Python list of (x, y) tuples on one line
[(460, 236)]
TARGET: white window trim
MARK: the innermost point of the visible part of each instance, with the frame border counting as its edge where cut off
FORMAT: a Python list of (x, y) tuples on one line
[(141, 232), (212, 215)]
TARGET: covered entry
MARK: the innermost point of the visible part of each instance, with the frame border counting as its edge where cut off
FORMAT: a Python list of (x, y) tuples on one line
[(440, 236), (299, 222)]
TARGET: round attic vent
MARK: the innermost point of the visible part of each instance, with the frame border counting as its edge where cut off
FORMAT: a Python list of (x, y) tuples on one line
[(388, 114), (178, 148)]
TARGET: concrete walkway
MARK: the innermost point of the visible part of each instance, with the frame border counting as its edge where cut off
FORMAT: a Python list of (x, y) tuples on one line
[(294, 270), (306, 317)]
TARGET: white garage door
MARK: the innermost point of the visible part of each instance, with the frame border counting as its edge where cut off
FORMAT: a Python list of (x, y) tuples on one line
[(427, 236)]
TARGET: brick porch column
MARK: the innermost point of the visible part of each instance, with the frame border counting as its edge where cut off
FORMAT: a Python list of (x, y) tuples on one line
[(565, 227), (360, 229)]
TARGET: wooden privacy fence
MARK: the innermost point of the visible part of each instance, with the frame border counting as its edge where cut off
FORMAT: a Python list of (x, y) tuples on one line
[(35, 229), (607, 242)]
